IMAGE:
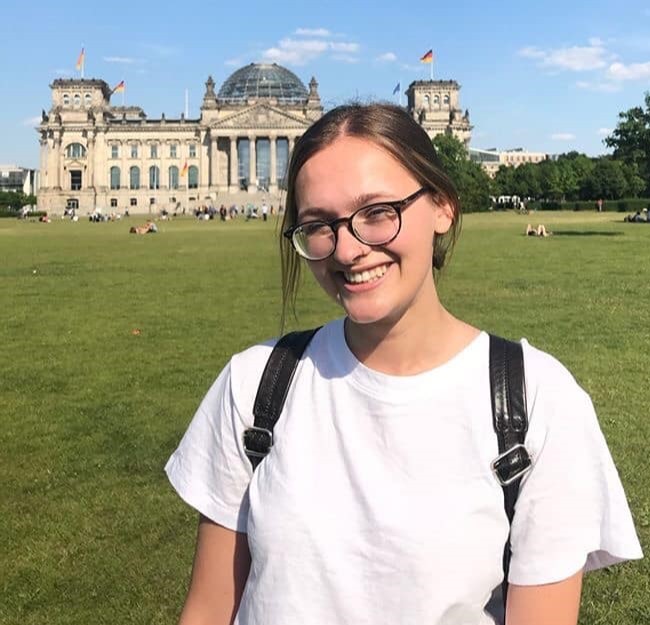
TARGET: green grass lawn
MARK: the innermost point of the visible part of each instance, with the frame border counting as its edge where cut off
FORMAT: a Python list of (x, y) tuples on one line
[(90, 532)]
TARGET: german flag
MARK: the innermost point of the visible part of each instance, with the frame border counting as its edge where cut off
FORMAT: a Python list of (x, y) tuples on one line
[(184, 170), (81, 59), (427, 58), (119, 88)]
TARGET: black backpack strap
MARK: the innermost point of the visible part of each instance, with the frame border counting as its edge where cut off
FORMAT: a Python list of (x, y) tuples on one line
[(510, 421), (272, 392)]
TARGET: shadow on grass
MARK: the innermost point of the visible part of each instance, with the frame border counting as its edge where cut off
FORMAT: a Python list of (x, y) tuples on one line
[(586, 233)]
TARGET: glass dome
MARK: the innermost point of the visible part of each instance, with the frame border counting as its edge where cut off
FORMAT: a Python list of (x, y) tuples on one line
[(263, 80)]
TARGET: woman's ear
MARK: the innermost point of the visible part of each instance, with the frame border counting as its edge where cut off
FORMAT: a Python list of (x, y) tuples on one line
[(443, 216)]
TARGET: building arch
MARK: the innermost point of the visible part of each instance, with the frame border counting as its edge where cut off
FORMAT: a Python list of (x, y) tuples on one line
[(115, 177), (172, 174), (193, 177), (154, 177), (75, 150), (134, 177)]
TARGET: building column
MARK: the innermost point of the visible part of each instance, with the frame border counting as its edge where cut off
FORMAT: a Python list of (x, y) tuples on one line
[(234, 186), (214, 162), (252, 165)]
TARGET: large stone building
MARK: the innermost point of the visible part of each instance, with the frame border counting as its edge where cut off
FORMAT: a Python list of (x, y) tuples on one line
[(96, 154)]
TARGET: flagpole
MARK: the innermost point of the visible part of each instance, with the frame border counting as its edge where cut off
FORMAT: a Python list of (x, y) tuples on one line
[(124, 95), (431, 69), (83, 61)]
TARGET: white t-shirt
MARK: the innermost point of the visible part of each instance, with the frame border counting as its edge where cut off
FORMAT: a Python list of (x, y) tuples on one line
[(377, 504)]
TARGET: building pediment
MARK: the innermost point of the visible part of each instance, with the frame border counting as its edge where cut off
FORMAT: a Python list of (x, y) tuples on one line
[(260, 116)]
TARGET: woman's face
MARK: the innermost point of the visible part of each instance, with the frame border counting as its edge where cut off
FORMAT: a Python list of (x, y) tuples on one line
[(346, 175)]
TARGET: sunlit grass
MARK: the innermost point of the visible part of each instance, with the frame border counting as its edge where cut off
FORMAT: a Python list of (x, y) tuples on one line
[(90, 530)]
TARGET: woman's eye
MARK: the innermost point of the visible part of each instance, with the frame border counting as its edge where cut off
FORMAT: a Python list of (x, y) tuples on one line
[(377, 212), (315, 229)]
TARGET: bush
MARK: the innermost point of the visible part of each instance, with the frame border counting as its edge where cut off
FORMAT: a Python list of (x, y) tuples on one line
[(630, 205)]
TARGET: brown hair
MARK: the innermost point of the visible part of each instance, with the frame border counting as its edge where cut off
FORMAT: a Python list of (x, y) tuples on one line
[(393, 129)]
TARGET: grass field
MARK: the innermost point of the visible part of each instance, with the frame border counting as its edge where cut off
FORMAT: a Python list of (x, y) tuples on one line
[(90, 532)]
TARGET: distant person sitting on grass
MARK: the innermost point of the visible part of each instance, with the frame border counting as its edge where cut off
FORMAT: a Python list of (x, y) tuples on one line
[(149, 227), (540, 231), (640, 217)]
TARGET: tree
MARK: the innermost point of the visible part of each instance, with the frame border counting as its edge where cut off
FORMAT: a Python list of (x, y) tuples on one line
[(472, 183), (607, 180), (631, 139)]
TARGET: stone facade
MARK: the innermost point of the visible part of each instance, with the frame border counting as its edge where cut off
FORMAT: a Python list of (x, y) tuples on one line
[(98, 155), (435, 104), (94, 154)]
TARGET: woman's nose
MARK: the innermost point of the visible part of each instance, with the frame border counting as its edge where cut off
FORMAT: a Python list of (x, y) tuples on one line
[(348, 247)]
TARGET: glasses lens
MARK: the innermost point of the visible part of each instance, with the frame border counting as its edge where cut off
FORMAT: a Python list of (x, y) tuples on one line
[(314, 241), (376, 224)]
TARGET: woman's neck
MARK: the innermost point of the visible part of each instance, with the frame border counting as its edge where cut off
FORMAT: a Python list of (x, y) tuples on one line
[(414, 343)]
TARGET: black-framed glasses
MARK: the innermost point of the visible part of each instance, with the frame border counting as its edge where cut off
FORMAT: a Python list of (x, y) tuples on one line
[(375, 224)]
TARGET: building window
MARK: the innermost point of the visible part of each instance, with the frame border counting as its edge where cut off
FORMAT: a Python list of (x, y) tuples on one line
[(173, 151), (152, 200), (154, 177), (113, 202), (134, 178), (436, 99), (193, 177), (133, 201), (87, 99), (153, 151), (115, 177), (173, 177), (75, 179), (115, 151), (192, 148), (427, 101), (445, 100), (76, 99), (66, 99), (134, 150), (75, 150)]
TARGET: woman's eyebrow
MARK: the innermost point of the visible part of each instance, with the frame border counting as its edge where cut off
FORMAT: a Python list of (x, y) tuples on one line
[(359, 201)]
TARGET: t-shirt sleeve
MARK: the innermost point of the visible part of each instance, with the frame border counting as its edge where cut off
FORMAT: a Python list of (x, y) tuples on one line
[(572, 510), (209, 469)]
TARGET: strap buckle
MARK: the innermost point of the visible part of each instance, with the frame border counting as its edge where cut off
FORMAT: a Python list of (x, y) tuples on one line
[(257, 441), (512, 464)]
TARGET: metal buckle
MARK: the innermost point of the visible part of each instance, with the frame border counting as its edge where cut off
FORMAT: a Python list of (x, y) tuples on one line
[(503, 462), (268, 442)]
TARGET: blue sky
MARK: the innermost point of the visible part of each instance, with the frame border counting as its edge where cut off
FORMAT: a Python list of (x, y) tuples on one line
[(549, 76)]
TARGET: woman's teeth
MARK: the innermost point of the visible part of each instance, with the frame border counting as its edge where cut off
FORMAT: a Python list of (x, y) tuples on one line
[(365, 276)]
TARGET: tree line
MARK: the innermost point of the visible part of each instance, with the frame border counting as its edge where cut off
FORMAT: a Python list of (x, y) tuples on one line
[(569, 177)]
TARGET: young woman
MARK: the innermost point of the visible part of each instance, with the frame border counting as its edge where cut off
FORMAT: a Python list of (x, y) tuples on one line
[(377, 503)]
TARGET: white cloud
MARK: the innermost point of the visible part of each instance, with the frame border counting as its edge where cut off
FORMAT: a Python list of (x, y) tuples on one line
[(302, 51), (313, 32), (562, 136), (32, 121), (600, 86), (125, 60), (596, 42), (603, 132), (387, 57), (573, 58), (344, 47), (632, 71), (345, 58)]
